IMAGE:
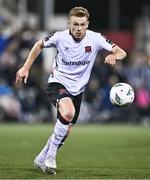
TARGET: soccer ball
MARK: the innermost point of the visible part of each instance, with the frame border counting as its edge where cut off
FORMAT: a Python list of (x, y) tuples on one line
[(121, 94)]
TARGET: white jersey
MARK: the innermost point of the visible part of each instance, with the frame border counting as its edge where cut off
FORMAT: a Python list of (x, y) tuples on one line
[(74, 61)]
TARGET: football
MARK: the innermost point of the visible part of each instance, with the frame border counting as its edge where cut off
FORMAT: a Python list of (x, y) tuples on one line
[(122, 94)]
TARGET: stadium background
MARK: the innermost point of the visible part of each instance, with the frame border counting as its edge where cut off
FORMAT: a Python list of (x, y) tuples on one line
[(23, 22)]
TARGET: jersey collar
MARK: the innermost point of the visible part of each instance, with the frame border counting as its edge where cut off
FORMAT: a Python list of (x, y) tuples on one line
[(75, 39)]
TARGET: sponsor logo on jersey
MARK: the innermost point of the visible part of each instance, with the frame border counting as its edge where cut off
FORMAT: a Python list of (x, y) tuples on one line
[(88, 49), (75, 63)]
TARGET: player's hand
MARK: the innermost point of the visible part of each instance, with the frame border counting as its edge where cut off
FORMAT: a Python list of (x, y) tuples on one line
[(22, 76), (110, 59)]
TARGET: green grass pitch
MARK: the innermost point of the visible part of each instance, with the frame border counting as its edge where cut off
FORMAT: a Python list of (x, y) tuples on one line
[(91, 152)]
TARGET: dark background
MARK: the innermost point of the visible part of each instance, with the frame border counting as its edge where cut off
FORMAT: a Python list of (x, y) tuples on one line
[(128, 10)]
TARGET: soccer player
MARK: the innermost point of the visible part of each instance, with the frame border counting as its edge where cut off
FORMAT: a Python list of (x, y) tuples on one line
[(77, 48)]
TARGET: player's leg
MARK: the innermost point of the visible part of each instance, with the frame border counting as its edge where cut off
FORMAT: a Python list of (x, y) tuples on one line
[(77, 103), (53, 91), (56, 91), (66, 114), (72, 113), (40, 158), (66, 136)]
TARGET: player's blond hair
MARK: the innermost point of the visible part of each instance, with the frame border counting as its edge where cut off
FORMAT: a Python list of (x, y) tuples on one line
[(79, 12)]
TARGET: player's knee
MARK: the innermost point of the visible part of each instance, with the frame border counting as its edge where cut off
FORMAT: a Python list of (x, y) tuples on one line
[(66, 109), (68, 114)]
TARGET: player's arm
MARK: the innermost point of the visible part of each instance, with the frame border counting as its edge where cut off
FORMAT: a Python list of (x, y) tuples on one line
[(23, 72), (117, 54)]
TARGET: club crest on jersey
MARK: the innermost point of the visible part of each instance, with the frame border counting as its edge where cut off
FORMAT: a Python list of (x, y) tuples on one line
[(88, 49)]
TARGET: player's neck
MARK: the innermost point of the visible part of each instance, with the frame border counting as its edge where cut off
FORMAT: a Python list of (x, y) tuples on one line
[(76, 39)]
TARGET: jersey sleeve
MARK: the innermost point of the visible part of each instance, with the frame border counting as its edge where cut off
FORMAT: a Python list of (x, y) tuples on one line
[(104, 42), (51, 40)]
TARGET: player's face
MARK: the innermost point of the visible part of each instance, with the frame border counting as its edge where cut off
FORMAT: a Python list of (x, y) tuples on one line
[(78, 26)]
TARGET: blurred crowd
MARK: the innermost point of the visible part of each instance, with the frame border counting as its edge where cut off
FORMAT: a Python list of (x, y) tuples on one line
[(25, 102), (29, 102)]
